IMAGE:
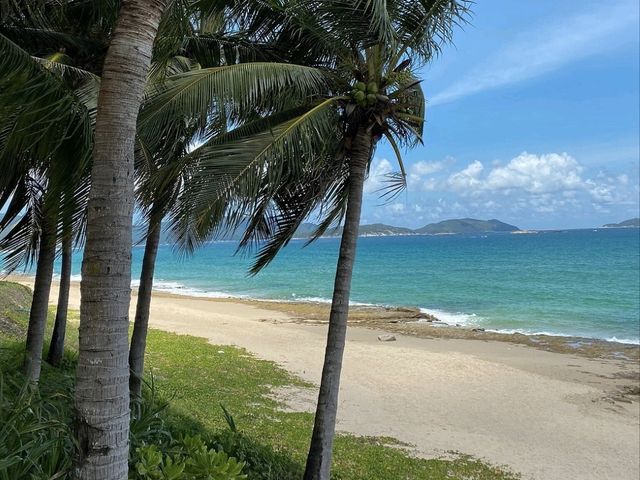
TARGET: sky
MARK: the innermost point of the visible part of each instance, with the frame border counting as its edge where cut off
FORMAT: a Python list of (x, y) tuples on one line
[(532, 118)]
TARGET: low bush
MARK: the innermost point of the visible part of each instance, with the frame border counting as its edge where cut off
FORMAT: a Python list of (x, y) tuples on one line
[(190, 458), (35, 440)]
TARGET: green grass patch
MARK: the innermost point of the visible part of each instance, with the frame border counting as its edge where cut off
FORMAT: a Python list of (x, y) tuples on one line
[(197, 378)]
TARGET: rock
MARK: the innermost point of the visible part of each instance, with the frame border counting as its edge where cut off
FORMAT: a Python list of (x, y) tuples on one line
[(477, 329), (405, 310), (387, 338)]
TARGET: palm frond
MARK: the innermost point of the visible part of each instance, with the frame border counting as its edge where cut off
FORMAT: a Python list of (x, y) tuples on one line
[(226, 177), (243, 89), (45, 110)]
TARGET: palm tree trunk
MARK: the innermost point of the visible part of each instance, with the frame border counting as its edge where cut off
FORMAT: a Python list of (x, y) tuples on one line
[(320, 452), (40, 302), (56, 347), (141, 323), (102, 376)]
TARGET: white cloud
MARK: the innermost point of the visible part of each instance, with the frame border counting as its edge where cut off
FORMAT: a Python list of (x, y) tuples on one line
[(380, 167), (535, 187), (397, 208), (537, 174), (467, 179), (426, 168), (549, 47), (543, 183), (527, 172), (419, 175)]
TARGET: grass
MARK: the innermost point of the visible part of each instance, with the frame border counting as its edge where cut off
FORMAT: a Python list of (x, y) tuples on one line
[(197, 378)]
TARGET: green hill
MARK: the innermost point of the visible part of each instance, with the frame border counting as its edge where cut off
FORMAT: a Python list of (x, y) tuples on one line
[(463, 225), (631, 223), (466, 225), (375, 230)]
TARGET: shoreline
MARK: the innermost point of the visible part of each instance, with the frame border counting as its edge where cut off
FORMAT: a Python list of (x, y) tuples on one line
[(406, 320), (545, 414)]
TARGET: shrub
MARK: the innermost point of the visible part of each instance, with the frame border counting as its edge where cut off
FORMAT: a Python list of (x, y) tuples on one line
[(190, 459), (147, 421), (35, 441), (262, 461)]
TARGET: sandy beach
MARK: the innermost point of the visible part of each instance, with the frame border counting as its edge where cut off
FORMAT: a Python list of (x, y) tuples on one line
[(547, 415)]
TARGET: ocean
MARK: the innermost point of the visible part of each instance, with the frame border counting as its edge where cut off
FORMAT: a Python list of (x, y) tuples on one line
[(572, 282)]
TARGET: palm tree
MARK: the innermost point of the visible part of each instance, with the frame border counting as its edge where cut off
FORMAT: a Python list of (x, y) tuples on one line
[(43, 157), (199, 94), (211, 82), (199, 103), (56, 346), (102, 374), (316, 162)]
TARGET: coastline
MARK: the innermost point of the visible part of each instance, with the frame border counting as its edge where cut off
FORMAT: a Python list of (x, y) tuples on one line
[(408, 320), (546, 414)]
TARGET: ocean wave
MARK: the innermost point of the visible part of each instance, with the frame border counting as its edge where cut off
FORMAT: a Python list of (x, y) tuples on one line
[(627, 341), (522, 331), (180, 289), (353, 303), (471, 319), (450, 318), (175, 288), (453, 319)]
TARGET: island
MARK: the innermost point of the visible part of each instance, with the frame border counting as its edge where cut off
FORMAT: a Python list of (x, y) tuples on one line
[(466, 225), (631, 223), (446, 227)]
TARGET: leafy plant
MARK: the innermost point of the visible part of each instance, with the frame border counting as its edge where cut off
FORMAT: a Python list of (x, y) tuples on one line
[(147, 423), (34, 441), (262, 462), (190, 459)]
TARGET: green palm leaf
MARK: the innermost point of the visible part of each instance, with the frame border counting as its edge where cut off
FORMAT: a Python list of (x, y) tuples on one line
[(241, 88), (225, 176)]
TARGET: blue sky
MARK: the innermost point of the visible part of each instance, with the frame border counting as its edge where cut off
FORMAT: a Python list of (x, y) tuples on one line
[(532, 118)]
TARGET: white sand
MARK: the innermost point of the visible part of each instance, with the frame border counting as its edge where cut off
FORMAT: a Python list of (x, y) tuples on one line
[(545, 415)]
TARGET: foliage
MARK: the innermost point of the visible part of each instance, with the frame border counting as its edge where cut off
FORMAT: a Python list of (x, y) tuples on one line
[(190, 459), (262, 461), (147, 423), (272, 441), (35, 441), (183, 399), (369, 52)]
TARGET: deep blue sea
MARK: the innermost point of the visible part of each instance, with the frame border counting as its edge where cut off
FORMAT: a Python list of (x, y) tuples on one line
[(573, 282)]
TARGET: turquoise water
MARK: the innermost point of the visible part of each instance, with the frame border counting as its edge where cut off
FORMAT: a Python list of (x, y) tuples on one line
[(575, 282)]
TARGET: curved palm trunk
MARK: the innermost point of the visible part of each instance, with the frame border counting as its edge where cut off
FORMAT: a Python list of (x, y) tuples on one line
[(40, 302), (320, 452), (56, 347), (141, 323), (102, 376)]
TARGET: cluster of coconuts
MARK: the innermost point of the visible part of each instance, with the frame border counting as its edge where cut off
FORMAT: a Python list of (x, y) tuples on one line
[(366, 95)]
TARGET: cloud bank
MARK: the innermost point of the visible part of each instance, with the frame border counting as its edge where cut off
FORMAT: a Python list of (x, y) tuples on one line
[(528, 185)]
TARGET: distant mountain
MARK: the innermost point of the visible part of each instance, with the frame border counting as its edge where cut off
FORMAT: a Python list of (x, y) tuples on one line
[(463, 225), (466, 225), (373, 230), (631, 223), (381, 230)]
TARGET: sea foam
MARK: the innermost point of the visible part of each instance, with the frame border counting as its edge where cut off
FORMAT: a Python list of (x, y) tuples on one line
[(453, 319)]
